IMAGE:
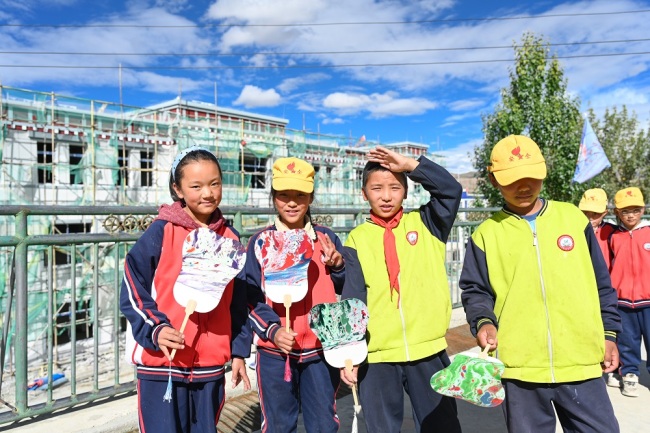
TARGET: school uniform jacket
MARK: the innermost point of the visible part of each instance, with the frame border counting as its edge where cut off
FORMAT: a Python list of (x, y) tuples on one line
[(603, 232), (323, 285), (413, 325), (547, 291), (630, 269), (147, 301)]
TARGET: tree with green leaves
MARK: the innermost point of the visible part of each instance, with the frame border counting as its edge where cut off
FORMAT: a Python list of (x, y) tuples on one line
[(627, 147), (536, 105)]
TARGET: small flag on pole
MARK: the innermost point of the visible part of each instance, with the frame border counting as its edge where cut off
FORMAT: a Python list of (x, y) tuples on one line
[(591, 159)]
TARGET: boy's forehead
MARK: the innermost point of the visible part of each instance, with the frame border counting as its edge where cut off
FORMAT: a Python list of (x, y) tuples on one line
[(383, 177)]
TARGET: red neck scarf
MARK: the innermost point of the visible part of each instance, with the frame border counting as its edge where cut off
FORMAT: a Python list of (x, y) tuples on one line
[(390, 250)]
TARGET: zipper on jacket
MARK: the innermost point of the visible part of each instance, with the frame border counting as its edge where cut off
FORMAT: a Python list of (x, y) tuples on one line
[(401, 316), (548, 319)]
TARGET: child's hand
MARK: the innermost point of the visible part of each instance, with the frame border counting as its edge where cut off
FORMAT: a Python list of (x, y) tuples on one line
[(331, 257), (239, 373), (284, 340), (170, 338), (611, 357), (487, 335), (393, 161), (349, 377)]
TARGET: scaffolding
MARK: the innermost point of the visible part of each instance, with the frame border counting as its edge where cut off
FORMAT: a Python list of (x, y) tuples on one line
[(62, 150)]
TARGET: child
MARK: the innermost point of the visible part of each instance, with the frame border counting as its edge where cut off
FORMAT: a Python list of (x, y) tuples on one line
[(534, 271), (630, 246), (151, 269), (313, 384), (396, 264), (594, 205)]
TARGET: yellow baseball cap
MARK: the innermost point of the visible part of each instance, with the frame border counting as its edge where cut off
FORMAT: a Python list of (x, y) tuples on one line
[(293, 173), (628, 197), (593, 200), (516, 157)]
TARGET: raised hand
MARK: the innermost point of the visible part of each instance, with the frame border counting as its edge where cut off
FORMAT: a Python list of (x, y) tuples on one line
[(331, 257), (393, 161)]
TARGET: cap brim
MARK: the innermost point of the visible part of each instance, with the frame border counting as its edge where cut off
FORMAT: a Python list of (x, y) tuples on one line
[(512, 175), (282, 184), (592, 207), (622, 204)]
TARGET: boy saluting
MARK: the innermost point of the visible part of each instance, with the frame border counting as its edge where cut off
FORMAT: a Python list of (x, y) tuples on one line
[(535, 271), (395, 263)]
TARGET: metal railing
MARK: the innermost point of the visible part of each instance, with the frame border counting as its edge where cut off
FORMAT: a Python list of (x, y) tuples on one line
[(92, 363)]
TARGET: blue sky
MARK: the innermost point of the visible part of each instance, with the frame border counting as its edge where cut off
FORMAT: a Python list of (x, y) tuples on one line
[(310, 61)]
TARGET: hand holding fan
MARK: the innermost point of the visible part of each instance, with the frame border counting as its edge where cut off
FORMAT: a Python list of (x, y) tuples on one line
[(341, 329), (210, 262), (473, 378)]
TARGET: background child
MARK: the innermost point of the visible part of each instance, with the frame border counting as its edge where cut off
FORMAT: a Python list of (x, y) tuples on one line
[(150, 272), (396, 264), (314, 383), (535, 271), (630, 269), (594, 205)]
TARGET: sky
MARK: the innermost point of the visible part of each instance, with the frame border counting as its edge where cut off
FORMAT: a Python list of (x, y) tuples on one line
[(388, 70)]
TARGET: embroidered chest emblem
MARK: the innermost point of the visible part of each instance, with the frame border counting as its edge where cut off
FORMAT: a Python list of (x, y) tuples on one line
[(412, 237), (646, 246), (565, 242)]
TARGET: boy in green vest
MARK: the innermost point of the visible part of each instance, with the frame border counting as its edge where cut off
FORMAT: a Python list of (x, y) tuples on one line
[(535, 272), (395, 263)]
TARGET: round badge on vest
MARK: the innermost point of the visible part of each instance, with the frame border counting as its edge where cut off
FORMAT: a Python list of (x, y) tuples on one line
[(565, 242)]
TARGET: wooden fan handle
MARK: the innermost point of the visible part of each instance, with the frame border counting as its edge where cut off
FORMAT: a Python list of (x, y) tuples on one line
[(189, 309), (287, 307)]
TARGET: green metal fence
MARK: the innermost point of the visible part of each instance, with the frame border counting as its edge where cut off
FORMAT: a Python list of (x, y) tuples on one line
[(64, 317)]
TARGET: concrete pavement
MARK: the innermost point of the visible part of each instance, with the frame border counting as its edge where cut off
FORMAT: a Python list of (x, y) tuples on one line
[(241, 411)]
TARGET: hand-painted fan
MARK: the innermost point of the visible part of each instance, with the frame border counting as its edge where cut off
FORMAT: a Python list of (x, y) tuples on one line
[(341, 329), (210, 262), (284, 258), (473, 378)]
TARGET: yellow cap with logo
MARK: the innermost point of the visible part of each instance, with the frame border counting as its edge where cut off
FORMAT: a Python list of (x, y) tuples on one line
[(628, 197), (593, 200), (293, 173), (516, 157)]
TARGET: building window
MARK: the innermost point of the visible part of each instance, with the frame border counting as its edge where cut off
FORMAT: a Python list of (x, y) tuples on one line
[(146, 164), (61, 256), (44, 152), (76, 155), (123, 163), (256, 168)]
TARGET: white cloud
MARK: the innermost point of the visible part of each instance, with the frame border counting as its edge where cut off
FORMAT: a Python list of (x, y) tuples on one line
[(466, 104), (136, 39), (291, 84), (376, 105), (333, 121), (635, 99), (452, 120), (173, 6), (253, 96), (459, 159)]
